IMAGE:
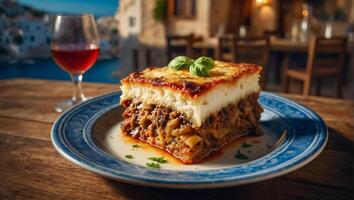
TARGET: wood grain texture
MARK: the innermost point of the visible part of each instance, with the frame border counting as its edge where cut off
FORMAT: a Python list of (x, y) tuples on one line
[(30, 168)]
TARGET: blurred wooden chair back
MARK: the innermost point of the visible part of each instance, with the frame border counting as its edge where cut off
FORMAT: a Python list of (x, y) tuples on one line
[(253, 50), (325, 58), (179, 45), (248, 50), (138, 55), (271, 34), (226, 48)]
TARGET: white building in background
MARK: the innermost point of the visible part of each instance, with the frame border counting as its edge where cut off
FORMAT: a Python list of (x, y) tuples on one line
[(138, 29), (25, 37), (129, 15), (24, 32), (12, 8), (35, 34), (2, 23), (108, 31), (105, 48)]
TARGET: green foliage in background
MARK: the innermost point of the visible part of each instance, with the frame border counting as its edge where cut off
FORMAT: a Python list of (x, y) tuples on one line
[(114, 31), (160, 12), (37, 13)]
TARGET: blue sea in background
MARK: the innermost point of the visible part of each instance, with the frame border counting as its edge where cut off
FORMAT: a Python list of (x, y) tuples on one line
[(102, 71)]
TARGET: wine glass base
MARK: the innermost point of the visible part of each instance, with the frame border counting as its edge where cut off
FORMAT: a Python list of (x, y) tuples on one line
[(66, 104)]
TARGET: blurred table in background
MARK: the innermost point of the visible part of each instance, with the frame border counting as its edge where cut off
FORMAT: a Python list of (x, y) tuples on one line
[(276, 44), (288, 45), (30, 167), (281, 46)]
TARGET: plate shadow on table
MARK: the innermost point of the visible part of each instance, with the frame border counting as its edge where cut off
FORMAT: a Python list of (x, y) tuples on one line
[(274, 189), (142, 192), (338, 141)]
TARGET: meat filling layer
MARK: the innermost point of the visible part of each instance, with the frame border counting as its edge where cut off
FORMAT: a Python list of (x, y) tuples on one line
[(171, 131)]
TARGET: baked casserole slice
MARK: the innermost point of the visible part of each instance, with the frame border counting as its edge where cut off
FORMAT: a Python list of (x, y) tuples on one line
[(190, 116)]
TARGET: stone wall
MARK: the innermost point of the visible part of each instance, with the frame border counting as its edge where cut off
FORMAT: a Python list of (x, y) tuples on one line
[(198, 25), (351, 18), (147, 35), (219, 16), (264, 18), (128, 36), (152, 32), (129, 9)]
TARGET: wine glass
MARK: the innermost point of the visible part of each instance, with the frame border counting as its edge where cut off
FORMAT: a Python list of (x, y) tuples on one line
[(75, 48)]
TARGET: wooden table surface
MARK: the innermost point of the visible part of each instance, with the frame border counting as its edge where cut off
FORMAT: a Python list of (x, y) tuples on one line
[(30, 168)]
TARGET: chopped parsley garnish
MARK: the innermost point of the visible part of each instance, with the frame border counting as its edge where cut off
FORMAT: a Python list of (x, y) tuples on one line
[(241, 156), (129, 156), (245, 145), (153, 165), (158, 159), (136, 146)]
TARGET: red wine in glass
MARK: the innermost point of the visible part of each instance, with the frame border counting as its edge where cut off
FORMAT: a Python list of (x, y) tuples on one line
[(75, 48), (75, 59)]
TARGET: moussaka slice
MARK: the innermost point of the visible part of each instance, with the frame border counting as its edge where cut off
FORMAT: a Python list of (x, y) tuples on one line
[(190, 116)]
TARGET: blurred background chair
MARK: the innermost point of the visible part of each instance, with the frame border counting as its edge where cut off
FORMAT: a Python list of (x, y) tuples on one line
[(254, 50), (226, 48), (179, 45), (137, 60), (325, 58), (247, 50)]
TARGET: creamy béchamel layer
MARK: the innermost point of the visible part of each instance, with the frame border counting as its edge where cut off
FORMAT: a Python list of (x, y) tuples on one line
[(195, 97)]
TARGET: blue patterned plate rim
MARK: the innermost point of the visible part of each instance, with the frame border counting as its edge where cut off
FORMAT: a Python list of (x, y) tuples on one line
[(308, 137)]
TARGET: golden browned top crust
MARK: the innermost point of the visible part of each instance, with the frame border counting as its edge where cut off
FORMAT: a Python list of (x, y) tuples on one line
[(191, 85)]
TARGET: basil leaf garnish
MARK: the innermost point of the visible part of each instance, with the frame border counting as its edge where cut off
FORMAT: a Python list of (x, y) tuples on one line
[(180, 62), (205, 61), (202, 66), (199, 67)]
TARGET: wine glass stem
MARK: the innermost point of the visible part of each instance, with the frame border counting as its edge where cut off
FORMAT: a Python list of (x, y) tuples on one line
[(78, 94)]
